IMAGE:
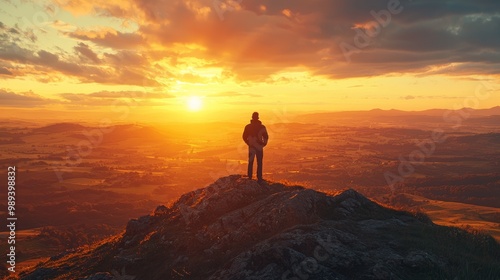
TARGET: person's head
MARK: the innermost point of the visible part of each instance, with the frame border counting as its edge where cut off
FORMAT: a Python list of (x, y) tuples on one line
[(255, 116)]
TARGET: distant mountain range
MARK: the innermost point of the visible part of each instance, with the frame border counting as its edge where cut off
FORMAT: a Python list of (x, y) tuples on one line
[(60, 127), (440, 112), (483, 119), (432, 112), (238, 229)]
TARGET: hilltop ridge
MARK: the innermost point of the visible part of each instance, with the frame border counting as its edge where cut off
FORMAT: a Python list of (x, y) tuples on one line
[(236, 228)]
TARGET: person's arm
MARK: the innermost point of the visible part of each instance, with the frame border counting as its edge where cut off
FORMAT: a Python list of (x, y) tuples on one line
[(265, 136), (245, 135)]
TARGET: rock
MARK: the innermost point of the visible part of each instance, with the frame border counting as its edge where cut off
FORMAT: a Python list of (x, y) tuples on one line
[(100, 276), (421, 260), (239, 229), (42, 273), (160, 210)]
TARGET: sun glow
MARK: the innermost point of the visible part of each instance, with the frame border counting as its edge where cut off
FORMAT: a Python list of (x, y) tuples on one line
[(194, 103)]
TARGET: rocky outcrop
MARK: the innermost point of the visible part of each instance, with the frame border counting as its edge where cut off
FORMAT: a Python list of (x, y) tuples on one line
[(239, 229)]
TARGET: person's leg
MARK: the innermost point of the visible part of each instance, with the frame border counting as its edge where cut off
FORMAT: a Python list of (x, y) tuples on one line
[(251, 156), (260, 156)]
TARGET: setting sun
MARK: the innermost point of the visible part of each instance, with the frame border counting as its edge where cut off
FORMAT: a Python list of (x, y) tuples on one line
[(194, 103)]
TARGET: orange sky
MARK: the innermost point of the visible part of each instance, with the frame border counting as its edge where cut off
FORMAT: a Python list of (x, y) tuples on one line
[(139, 61)]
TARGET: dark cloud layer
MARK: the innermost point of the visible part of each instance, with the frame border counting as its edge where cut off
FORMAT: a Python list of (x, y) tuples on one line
[(100, 98), (253, 39), (26, 99), (5, 71), (84, 64), (259, 38), (108, 38), (107, 98)]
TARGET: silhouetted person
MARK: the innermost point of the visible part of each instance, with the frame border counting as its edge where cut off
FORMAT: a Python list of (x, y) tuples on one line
[(256, 137)]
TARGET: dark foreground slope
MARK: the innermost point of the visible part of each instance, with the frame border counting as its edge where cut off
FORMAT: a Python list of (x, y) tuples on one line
[(238, 229)]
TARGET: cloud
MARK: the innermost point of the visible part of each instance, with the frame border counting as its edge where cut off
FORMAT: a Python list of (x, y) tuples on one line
[(5, 71), (126, 58), (131, 94), (108, 37), (110, 98), (24, 99), (412, 97), (97, 64), (14, 32), (86, 53), (233, 94), (52, 61), (63, 26), (11, 51), (192, 78), (47, 62), (256, 40), (256, 43)]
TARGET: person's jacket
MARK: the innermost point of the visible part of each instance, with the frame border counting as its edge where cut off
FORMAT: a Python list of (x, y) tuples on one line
[(255, 134)]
